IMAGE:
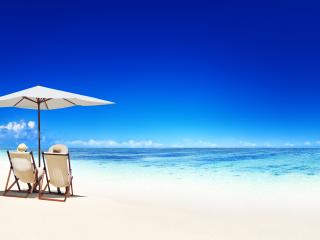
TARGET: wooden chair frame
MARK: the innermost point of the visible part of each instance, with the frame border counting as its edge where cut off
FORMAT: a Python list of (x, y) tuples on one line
[(69, 189), (8, 188)]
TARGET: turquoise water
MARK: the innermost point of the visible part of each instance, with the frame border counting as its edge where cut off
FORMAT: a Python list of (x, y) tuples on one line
[(237, 161), (201, 163)]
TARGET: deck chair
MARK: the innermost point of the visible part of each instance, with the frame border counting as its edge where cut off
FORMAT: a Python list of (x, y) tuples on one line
[(57, 171), (23, 169)]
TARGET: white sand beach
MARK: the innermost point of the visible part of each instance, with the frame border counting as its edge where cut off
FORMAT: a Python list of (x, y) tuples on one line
[(162, 209)]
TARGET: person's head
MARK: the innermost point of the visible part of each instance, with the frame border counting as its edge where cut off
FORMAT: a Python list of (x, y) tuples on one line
[(59, 148), (22, 147), (56, 149)]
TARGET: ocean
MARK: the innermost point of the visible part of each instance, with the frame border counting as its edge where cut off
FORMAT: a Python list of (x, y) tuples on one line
[(200, 164)]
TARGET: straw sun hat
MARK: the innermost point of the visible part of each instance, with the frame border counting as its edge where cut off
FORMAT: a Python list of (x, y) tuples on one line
[(22, 147), (57, 149)]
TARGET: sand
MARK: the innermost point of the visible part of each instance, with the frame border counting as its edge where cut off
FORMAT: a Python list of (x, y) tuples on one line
[(116, 208)]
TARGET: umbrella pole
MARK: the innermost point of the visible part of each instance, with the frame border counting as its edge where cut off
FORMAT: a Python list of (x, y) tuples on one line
[(39, 148)]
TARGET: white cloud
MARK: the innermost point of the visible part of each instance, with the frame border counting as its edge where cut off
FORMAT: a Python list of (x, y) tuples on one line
[(190, 143), (17, 130), (186, 143), (14, 126), (247, 144), (289, 145), (113, 143), (148, 143), (31, 124), (307, 143), (267, 144)]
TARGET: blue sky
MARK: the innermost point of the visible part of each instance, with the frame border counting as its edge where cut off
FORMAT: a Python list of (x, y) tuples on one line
[(191, 73)]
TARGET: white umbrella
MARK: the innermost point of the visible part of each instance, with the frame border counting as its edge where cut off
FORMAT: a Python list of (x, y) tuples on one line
[(42, 98)]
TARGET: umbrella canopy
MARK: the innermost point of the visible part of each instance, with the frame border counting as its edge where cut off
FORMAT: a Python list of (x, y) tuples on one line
[(47, 99), (42, 98)]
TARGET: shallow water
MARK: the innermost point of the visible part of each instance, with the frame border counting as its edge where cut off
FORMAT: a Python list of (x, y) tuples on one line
[(209, 164)]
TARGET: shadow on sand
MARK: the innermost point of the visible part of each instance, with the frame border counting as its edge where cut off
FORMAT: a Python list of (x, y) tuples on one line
[(35, 195)]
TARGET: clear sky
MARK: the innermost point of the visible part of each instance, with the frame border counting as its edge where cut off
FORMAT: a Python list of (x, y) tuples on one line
[(189, 73)]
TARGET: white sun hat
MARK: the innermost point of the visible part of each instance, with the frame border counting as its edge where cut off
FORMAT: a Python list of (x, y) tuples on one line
[(22, 147)]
